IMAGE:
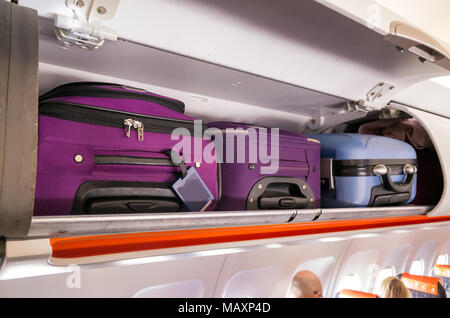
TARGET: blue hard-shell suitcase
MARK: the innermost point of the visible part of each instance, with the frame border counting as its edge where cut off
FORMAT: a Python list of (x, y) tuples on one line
[(366, 171)]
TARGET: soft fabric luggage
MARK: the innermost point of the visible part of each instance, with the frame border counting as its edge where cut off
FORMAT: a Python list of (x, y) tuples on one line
[(366, 171), (106, 148), (291, 179)]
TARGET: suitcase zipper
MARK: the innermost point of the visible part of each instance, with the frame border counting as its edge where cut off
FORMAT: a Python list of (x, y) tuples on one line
[(89, 89), (114, 118), (129, 122)]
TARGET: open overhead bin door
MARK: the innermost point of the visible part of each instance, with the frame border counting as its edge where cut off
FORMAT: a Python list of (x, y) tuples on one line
[(303, 43)]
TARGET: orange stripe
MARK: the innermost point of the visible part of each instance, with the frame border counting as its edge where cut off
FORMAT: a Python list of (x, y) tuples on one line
[(348, 293), (108, 244), (423, 284)]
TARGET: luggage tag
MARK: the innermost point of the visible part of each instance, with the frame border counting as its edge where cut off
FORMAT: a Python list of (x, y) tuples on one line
[(191, 188)]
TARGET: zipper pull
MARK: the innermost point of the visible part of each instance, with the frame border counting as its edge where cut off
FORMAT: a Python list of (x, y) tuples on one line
[(128, 124), (140, 128)]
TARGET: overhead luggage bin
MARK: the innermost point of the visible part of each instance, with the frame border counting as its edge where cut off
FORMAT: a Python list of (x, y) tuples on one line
[(297, 66)]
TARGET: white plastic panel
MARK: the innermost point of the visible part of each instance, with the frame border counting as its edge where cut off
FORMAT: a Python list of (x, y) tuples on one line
[(142, 277), (432, 95), (305, 43), (357, 268), (284, 261), (397, 257), (253, 283), (271, 267), (427, 251), (185, 289)]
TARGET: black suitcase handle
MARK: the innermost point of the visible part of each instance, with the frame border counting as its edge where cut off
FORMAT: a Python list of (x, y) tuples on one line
[(136, 205), (280, 193), (121, 197), (284, 202), (384, 172)]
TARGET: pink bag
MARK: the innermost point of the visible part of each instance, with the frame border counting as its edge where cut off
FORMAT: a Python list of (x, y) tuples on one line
[(408, 130)]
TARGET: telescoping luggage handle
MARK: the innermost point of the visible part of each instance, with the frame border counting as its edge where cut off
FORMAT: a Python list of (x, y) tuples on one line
[(280, 193)]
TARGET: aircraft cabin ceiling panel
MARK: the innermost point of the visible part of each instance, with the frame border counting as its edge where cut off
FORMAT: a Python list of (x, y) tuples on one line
[(302, 43)]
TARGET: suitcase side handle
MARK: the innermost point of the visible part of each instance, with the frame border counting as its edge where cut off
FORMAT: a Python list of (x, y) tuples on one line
[(280, 193), (284, 202), (384, 173), (112, 197)]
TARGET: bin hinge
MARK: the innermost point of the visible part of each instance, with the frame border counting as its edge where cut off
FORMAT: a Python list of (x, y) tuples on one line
[(84, 29), (379, 96), (334, 115)]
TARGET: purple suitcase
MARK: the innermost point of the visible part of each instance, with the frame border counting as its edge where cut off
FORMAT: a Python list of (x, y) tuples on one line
[(104, 148), (296, 184)]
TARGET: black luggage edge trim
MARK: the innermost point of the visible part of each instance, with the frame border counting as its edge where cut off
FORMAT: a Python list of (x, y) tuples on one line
[(88, 189), (78, 90), (374, 162), (364, 168), (85, 114)]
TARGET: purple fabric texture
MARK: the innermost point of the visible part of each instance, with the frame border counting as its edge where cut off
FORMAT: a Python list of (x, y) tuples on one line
[(298, 158), (60, 141)]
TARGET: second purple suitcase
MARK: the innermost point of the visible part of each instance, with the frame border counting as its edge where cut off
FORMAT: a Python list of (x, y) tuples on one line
[(295, 185), (105, 148)]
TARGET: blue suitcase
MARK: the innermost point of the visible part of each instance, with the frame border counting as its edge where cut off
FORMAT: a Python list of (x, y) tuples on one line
[(366, 171)]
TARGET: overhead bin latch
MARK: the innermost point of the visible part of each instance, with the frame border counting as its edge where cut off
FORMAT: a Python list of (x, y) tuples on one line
[(425, 46), (84, 28)]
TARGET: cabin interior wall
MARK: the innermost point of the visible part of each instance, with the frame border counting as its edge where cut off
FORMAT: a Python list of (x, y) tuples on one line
[(264, 271)]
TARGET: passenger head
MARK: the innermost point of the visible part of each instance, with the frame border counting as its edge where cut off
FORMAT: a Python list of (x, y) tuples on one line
[(393, 287), (306, 284)]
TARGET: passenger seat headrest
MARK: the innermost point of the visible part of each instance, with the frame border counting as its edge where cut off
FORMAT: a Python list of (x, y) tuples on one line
[(423, 284), (442, 270)]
